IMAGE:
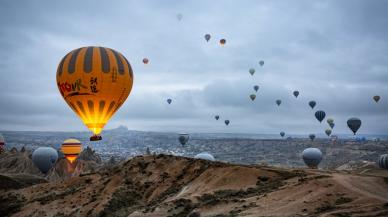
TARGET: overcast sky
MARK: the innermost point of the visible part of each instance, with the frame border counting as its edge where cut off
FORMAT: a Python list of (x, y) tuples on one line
[(333, 52)]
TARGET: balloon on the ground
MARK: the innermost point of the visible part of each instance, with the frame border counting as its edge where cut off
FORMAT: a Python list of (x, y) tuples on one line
[(71, 148), (383, 161), (251, 71), (217, 117), (183, 138), (282, 134), (44, 158), (320, 115), (227, 122), (223, 42), (312, 104), (278, 102), (205, 156), (296, 93), (94, 82), (145, 60), (312, 157), (169, 101), (354, 124), (256, 88), (312, 137), (328, 132), (207, 37), (376, 98), (2, 144), (252, 96), (261, 62)]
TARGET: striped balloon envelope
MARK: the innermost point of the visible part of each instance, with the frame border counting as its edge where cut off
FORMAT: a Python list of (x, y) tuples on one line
[(71, 148), (95, 82), (383, 161)]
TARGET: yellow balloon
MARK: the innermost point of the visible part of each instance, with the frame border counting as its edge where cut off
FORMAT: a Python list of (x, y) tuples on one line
[(95, 82), (71, 149)]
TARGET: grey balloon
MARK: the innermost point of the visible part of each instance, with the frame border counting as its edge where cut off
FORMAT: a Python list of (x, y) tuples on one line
[(44, 158), (205, 156), (183, 138), (383, 161), (312, 157)]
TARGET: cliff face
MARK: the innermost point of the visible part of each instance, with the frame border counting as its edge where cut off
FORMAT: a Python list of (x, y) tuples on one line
[(176, 186)]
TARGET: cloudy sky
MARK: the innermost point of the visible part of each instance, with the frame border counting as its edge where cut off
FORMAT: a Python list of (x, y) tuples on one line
[(333, 52)]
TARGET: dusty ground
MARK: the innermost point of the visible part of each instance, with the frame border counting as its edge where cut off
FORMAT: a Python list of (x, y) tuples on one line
[(175, 186)]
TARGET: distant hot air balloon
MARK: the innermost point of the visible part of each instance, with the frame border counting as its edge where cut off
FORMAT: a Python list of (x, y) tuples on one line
[(328, 132), (282, 134), (183, 138), (320, 115), (2, 144), (227, 122), (383, 161), (354, 124), (222, 42), (44, 158), (256, 87), (312, 137), (278, 102), (312, 104), (169, 101), (179, 17), (296, 93), (376, 98), (330, 120), (217, 117), (261, 62), (205, 156), (207, 37), (252, 71), (71, 148), (331, 125), (312, 157), (95, 82), (252, 96), (145, 61)]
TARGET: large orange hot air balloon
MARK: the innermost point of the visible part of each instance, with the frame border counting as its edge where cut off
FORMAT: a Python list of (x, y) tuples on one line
[(71, 149), (95, 82)]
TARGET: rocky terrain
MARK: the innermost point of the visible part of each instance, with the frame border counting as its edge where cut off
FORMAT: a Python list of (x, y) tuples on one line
[(165, 185)]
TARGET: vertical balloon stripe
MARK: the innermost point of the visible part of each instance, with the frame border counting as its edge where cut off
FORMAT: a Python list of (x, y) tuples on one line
[(105, 65), (91, 110), (112, 104), (77, 111), (81, 107), (60, 67), (119, 62), (101, 108), (72, 62), (88, 60), (128, 66)]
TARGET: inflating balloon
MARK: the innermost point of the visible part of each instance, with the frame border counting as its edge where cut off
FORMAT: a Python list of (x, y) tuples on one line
[(71, 148), (145, 61), (354, 124), (252, 96), (217, 117), (261, 62), (95, 82), (312, 104), (312, 137), (227, 122), (312, 157), (222, 42), (376, 98), (278, 102), (296, 93), (282, 134), (169, 101), (44, 158), (320, 115), (207, 37), (2, 144), (183, 138), (205, 156), (328, 132), (256, 87), (383, 161)]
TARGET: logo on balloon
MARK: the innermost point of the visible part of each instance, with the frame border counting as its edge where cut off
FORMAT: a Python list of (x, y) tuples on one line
[(71, 89)]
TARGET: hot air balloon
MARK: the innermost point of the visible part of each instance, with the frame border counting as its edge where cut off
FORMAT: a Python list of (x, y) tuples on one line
[(296, 93), (312, 137), (217, 117), (261, 62), (145, 61), (252, 71), (205, 156), (222, 42), (376, 98), (282, 134), (252, 96), (169, 101), (383, 161), (278, 102), (312, 104), (44, 158), (256, 87), (328, 132), (2, 144), (95, 82), (312, 157), (331, 125), (320, 115), (227, 122), (354, 124), (207, 37), (71, 149), (330, 120), (179, 17), (183, 138)]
